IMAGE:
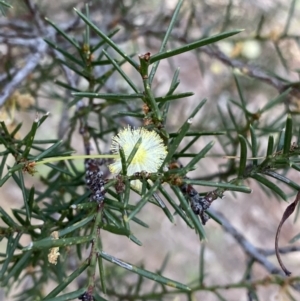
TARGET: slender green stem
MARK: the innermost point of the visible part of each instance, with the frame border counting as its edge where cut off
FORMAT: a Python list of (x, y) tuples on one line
[(55, 159), (93, 253)]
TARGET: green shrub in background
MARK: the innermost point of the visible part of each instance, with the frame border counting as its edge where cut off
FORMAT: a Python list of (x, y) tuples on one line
[(72, 204)]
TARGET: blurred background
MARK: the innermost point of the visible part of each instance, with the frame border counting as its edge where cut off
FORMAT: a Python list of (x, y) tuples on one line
[(264, 57)]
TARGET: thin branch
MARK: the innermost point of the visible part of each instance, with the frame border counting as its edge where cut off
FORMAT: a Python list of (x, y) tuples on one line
[(247, 69), (32, 61), (284, 250), (17, 41), (15, 24), (247, 246), (39, 21), (37, 43)]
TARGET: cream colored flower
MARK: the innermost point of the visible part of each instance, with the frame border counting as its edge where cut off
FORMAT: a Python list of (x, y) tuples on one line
[(53, 253), (7, 112), (24, 101), (149, 157)]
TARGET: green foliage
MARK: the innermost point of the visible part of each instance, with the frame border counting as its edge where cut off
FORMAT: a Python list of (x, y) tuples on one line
[(64, 204), (3, 6)]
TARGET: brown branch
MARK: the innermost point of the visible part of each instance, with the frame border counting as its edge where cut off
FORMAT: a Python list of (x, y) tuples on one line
[(287, 213)]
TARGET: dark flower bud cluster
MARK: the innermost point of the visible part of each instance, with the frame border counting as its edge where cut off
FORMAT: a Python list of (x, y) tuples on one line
[(94, 179), (86, 297), (199, 204)]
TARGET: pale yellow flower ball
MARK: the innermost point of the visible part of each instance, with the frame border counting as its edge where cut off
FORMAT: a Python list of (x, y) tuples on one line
[(149, 157)]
